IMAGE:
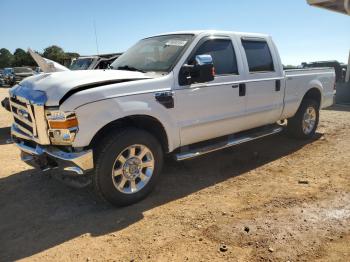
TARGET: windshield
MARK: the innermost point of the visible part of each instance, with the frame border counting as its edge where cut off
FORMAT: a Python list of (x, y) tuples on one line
[(158, 53), (81, 64), (23, 70)]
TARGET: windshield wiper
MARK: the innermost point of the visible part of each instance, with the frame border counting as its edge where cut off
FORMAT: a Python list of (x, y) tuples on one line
[(130, 68)]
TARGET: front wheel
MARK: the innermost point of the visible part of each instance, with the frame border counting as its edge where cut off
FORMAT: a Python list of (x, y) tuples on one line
[(128, 164), (305, 122)]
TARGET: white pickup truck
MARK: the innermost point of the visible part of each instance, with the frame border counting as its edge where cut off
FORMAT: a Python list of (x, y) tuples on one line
[(186, 93)]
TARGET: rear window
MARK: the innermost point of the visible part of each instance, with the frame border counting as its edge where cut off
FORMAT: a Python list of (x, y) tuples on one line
[(258, 55)]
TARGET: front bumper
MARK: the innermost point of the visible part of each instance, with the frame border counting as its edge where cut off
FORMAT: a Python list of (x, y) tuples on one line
[(49, 157)]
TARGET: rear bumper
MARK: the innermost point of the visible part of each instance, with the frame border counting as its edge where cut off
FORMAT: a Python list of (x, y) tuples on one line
[(48, 157)]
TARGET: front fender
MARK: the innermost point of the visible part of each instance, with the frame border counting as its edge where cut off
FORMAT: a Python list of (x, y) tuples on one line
[(94, 116)]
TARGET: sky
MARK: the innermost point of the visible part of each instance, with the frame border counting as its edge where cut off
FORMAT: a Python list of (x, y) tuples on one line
[(302, 33)]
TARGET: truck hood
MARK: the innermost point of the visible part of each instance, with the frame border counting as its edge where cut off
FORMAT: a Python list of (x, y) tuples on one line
[(56, 85), (47, 65)]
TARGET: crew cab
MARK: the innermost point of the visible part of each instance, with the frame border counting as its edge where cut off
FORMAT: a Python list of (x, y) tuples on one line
[(182, 93)]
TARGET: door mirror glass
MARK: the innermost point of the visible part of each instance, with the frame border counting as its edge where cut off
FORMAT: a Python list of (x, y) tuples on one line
[(200, 72)]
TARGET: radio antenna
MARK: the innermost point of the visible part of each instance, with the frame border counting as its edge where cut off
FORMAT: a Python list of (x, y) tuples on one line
[(96, 38)]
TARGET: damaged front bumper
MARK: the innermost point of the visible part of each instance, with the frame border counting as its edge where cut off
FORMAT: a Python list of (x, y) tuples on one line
[(49, 157)]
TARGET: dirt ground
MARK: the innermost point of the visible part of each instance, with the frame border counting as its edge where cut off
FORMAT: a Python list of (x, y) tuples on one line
[(276, 199)]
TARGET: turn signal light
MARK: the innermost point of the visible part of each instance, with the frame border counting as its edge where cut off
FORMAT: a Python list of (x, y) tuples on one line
[(66, 124)]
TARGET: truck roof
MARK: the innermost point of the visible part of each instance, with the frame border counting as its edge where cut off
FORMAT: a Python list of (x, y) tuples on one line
[(199, 32)]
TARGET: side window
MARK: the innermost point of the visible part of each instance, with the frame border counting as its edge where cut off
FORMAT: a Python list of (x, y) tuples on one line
[(258, 56), (224, 57)]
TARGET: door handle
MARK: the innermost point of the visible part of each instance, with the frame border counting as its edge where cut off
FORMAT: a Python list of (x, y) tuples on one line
[(235, 86), (242, 89), (278, 85)]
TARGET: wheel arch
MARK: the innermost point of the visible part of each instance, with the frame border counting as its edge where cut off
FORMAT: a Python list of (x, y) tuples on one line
[(145, 122), (314, 93)]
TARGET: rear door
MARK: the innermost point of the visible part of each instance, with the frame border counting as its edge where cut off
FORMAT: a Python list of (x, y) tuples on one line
[(213, 109), (263, 81)]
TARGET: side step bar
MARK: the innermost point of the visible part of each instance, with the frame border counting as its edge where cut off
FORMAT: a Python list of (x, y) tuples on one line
[(232, 140)]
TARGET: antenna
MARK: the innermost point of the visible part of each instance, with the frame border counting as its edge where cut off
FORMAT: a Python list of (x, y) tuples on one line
[(96, 38)]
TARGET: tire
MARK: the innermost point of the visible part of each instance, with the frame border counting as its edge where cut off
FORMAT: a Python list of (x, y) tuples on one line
[(297, 125), (127, 145)]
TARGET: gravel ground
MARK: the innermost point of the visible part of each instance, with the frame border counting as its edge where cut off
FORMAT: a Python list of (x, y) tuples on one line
[(276, 199)]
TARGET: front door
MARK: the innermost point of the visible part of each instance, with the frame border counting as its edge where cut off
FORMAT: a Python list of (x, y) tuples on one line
[(213, 109)]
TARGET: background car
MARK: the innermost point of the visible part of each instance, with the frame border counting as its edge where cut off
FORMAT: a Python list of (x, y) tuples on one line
[(8, 75), (20, 73), (1, 78)]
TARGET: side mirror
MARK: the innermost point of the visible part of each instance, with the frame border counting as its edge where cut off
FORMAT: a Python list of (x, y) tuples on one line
[(202, 71)]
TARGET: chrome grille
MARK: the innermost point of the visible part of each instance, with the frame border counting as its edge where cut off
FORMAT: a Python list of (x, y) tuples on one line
[(29, 118), (23, 116)]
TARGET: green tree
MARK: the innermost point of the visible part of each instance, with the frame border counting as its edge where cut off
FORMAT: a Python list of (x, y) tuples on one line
[(5, 58), (20, 57), (72, 55), (54, 53), (68, 58)]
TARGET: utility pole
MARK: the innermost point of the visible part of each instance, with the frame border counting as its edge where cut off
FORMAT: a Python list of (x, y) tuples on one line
[(347, 77), (96, 38)]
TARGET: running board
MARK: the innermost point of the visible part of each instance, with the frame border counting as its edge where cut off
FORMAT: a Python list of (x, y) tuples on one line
[(231, 141)]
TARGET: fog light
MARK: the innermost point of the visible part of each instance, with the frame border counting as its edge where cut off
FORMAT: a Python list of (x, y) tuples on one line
[(62, 136), (57, 133)]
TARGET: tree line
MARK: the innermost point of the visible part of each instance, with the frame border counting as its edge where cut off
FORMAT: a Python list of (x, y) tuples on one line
[(22, 58)]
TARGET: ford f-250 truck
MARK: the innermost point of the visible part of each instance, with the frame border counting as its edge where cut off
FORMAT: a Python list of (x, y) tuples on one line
[(186, 93)]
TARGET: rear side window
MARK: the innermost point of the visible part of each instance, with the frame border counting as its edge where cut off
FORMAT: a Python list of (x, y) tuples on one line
[(258, 55), (224, 57)]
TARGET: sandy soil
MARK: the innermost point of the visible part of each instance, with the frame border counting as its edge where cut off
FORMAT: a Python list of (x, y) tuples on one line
[(276, 199)]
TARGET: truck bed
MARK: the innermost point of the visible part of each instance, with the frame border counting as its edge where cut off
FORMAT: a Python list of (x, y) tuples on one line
[(308, 71), (296, 79)]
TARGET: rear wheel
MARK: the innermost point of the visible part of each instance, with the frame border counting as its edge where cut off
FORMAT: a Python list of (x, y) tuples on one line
[(305, 122), (128, 164)]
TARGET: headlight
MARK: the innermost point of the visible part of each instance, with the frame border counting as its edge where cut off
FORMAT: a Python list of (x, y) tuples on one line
[(63, 126)]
